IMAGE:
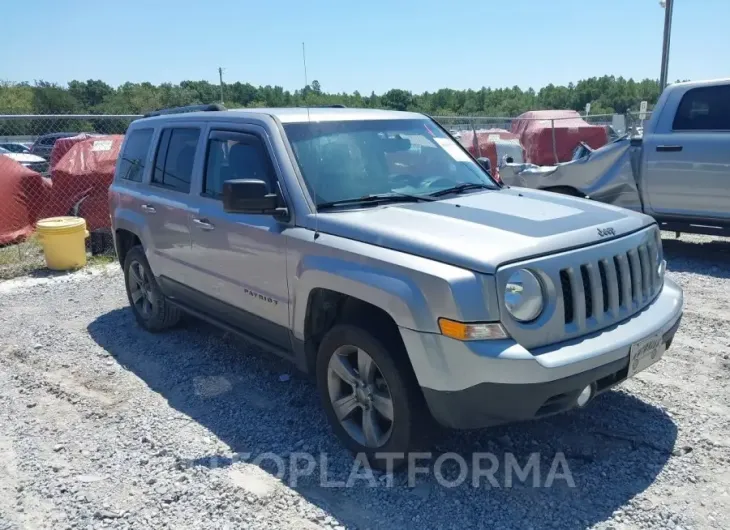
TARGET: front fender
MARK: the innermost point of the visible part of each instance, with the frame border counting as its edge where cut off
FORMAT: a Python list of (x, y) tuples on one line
[(396, 293)]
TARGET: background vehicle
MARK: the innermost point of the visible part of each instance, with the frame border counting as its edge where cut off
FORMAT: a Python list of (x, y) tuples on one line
[(677, 170), (32, 162), (44, 144), (369, 248), (15, 147)]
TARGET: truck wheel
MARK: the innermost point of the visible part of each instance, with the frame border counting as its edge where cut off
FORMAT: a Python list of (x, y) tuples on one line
[(369, 397), (566, 190), (150, 307)]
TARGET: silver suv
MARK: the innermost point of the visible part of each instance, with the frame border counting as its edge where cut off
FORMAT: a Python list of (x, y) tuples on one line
[(369, 248)]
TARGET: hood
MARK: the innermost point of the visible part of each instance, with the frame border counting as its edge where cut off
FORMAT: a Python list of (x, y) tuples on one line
[(24, 158), (484, 230)]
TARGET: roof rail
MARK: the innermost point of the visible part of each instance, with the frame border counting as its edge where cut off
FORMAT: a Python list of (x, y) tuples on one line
[(335, 106), (189, 108)]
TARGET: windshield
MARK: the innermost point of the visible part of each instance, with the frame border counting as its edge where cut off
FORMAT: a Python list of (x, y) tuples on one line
[(351, 159), (13, 148)]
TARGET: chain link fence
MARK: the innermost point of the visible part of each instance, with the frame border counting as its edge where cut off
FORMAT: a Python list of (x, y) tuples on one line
[(55, 165), (58, 165)]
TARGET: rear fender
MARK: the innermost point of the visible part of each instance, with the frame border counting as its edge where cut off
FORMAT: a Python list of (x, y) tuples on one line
[(134, 222)]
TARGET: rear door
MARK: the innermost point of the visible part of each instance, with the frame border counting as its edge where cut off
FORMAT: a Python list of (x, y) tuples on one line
[(166, 202), (688, 168), (240, 258)]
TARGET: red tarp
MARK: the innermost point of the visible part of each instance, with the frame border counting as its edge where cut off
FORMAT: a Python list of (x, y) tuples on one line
[(22, 195), (487, 143), (536, 135), (63, 145), (81, 180)]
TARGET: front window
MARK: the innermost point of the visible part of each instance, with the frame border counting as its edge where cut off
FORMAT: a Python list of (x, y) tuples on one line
[(351, 159), (14, 148)]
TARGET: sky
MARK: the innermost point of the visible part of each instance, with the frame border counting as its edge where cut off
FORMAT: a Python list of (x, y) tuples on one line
[(372, 45)]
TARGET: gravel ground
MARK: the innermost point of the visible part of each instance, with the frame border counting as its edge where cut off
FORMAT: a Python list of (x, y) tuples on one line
[(103, 425)]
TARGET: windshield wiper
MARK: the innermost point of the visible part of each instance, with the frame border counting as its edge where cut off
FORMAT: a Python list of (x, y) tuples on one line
[(460, 188), (380, 198)]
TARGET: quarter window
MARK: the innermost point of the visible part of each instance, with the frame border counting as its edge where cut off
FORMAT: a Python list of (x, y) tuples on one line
[(134, 157)]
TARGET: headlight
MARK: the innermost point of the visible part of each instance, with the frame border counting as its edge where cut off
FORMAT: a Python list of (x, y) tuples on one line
[(658, 255), (523, 296)]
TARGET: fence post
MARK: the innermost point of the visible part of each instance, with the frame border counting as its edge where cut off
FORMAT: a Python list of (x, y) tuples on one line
[(477, 148), (555, 148)]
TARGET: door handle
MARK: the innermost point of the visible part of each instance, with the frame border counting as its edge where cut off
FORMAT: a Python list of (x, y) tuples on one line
[(668, 148), (149, 209), (204, 224)]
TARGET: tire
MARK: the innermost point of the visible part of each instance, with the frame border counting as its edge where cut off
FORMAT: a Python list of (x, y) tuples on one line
[(404, 431), (155, 312)]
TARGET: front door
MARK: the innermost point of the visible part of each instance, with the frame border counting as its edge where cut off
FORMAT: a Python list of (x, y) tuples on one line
[(241, 257), (688, 169)]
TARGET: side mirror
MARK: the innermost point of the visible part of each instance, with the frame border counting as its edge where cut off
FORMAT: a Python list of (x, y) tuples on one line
[(485, 163), (636, 141), (248, 196)]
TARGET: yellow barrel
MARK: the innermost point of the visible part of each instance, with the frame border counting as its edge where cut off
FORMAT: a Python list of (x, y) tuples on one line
[(63, 240)]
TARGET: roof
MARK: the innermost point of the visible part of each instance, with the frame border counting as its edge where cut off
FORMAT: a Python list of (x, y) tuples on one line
[(301, 114), (702, 83), (59, 134)]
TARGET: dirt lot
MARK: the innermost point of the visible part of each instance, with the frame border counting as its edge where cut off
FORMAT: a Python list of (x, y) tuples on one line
[(105, 426)]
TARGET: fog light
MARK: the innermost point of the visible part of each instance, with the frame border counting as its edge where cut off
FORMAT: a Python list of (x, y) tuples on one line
[(584, 396)]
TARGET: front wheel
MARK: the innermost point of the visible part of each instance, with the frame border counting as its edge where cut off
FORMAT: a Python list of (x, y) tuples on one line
[(150, 307), (369, 394)]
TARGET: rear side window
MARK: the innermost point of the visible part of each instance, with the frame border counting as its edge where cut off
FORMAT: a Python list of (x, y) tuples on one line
[(235, 156), (175, 158), (704, 109), (134, 157)]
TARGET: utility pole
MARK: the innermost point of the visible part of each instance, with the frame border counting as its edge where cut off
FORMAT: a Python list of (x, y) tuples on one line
[(220, 75), (668, 6)]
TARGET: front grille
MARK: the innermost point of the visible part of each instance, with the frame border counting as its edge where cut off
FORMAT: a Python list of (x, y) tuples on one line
[(605, 287), (590, 288)]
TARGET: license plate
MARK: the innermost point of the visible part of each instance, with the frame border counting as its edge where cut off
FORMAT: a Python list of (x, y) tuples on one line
[(645, 353)]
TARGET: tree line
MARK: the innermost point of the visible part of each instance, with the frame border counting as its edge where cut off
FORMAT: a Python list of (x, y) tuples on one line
[(607, 94)]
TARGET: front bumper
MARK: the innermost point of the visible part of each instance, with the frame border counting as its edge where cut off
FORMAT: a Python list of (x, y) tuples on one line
[(481, 383)]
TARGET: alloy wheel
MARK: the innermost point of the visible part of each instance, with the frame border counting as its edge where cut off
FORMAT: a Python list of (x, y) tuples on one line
[(360, 396), (141, 290)]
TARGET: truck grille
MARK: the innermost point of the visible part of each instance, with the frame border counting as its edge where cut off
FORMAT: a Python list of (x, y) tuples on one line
[(590, 288), (624, 281)]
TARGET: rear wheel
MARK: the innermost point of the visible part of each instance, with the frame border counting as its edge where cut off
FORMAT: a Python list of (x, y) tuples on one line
[(150, 307), (369, 394)]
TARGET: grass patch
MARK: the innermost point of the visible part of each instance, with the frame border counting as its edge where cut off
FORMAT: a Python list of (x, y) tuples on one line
[(27, 257), (100, 259), (20, 259)]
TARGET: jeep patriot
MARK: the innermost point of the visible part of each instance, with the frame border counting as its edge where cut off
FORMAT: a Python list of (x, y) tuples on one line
[(372, 250)]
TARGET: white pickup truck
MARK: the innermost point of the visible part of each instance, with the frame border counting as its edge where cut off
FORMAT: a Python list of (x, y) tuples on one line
[(678, 171)]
